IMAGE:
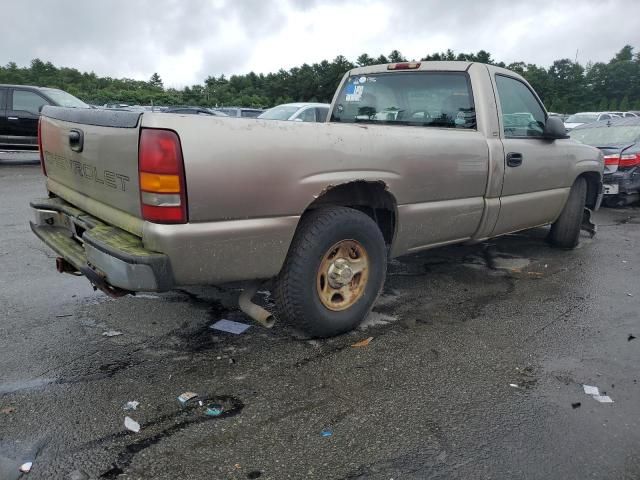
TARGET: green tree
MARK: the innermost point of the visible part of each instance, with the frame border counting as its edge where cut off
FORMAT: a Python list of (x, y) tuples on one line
[(602, 106), (156, 82), (395, 57), (613, 105), (624, 104), (365, 60)]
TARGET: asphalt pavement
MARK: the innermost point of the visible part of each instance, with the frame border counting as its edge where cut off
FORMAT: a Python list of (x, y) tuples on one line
[(475, 369), (19, 157)]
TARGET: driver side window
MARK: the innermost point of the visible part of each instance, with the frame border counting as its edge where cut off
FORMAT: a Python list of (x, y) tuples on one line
[(522, 114)]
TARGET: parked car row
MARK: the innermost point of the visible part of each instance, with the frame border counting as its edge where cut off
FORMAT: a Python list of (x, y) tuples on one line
[(581, 118), (616, 134)]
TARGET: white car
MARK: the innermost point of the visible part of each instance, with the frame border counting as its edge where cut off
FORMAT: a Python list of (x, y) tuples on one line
[(587, 117), (298, 112)]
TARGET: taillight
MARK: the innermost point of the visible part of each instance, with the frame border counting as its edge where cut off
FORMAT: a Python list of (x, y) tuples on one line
[(611, 160), (161, 171), (629, 160), (44, 169)]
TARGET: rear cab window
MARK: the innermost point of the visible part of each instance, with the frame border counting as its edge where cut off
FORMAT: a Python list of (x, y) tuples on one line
[(427, 99), (3, 98), (522, 114)]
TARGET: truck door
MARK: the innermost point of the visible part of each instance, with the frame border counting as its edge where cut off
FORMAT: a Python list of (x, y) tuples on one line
[(23, 111), (533, 189), (3, 116)]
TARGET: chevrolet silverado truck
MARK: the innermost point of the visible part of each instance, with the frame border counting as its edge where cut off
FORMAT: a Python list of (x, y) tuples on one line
[(412, 156)]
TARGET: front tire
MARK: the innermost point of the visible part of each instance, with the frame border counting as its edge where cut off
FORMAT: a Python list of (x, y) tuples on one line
[(565, 231), (333, 273)]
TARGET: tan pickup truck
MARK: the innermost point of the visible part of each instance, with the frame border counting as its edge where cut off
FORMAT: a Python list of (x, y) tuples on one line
[(412, 156)]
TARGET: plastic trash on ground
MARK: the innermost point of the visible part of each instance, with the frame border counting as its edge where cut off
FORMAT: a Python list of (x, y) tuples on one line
[(184, 398), (132, 405), (230, 326), (26, 467), (595, 394), (214, 410), (111, 333), (326, 432), (603, 398), (131, 424)]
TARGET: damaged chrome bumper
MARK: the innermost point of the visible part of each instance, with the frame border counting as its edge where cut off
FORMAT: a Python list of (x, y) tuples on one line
[(113, 260)]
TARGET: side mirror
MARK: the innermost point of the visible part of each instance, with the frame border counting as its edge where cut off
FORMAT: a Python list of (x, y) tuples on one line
[(554, 129)]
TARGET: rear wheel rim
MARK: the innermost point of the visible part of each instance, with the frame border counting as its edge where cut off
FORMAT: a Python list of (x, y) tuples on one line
[(343, 275)]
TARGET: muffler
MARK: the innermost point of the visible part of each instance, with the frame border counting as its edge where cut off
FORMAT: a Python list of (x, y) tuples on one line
[(256, 312)]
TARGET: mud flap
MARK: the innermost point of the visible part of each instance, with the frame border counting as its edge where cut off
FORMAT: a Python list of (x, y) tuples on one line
[(587, 224)]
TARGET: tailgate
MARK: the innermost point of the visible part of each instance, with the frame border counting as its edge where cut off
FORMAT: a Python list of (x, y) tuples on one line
[(93, 152)]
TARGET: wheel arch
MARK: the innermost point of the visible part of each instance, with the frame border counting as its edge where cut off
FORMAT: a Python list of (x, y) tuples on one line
[(594, 186), (370, 197)]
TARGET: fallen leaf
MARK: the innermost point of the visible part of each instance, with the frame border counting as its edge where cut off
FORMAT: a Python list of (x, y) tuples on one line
[(363, 343)]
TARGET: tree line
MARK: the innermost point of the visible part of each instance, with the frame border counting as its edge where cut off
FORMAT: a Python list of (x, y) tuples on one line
[(565, 87)]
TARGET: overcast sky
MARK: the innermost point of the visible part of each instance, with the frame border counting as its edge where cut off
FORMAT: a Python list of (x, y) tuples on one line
[(187, 40)]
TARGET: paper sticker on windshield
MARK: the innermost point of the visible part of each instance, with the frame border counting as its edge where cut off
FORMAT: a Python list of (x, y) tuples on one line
[(354, 93)]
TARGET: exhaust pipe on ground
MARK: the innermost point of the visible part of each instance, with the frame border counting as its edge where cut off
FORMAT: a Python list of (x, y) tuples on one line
[(256, 312)]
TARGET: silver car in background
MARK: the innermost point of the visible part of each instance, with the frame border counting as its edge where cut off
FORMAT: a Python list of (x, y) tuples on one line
[(581, 118), (298, 112)]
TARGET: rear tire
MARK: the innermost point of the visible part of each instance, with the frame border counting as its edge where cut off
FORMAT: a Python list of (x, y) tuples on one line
[(317, 288), (565, 231)]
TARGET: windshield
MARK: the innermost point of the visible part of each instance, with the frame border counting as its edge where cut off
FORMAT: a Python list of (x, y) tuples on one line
[(64, 99), (411, 98), (283, 112), (581, 118), (600, 136)]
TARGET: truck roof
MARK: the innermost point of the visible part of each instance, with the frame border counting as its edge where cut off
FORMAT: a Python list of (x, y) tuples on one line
[(430, 66)]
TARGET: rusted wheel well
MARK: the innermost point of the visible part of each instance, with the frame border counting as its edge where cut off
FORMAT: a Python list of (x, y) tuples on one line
[(372, 198), (593, 182)]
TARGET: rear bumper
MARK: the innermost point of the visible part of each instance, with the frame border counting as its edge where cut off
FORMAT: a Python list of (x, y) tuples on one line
[(107, 255), (624, 182)]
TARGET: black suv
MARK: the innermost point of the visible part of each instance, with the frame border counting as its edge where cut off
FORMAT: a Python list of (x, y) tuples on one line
[(20, 107)]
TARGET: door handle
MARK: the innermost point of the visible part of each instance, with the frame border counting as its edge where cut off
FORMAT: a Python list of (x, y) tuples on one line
[(12, 118), (514, 159)]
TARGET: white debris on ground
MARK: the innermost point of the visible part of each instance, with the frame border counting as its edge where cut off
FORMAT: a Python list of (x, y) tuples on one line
[(111, 333), (131, 424), (132, 405), (594, 392)]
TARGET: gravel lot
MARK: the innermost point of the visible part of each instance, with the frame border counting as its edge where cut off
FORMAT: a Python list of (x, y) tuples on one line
[(475, 370)]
